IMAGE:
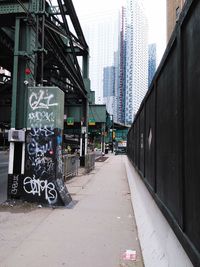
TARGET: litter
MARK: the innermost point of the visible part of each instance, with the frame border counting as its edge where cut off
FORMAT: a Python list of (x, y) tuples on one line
[(129, 255)]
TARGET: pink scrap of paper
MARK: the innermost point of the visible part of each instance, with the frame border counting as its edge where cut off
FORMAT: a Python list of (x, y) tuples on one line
[(129, 255)]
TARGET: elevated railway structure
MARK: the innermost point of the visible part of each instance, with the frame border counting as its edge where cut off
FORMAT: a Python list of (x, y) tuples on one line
[(40, 47)]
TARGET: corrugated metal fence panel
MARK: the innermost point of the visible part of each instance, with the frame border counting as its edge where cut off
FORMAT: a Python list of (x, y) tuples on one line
[(137, 140), (168, 167), (150, 141), (191, 56), (130, 147), (142, 137), (169, 120), (134, 143)]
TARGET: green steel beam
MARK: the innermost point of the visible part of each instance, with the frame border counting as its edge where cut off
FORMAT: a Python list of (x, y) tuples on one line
[(96, 112), (12, 8), (15, 74), (23, 58)]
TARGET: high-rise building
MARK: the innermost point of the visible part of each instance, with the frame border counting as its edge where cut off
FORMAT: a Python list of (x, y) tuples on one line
[(174, 8), (122, 68), (109, 88), (136, 58), (101, 33), (151, 62), (116, 93), (123, 35), (108, 81)]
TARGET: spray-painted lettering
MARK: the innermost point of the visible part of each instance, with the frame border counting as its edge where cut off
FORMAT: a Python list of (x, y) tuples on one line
[(14, 189), (43, 166), (42, 132), (35, 117), (36, 187), (34, 148), (41, 100), (59, 159)]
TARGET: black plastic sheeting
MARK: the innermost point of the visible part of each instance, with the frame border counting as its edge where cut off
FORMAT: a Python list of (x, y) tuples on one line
[(164, 139)]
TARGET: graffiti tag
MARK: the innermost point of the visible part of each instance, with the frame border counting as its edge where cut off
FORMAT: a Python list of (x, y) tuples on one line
[(36, 187), (35, 117), (40, 101), (15, 185), (42, 132), (34, 148)]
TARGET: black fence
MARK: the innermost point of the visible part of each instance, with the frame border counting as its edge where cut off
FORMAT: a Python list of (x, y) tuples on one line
[(164, 139)]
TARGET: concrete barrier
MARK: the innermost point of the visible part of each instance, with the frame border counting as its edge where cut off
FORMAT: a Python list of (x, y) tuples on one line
[(160, 246)]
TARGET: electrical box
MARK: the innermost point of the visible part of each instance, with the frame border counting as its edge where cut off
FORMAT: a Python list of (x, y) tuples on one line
[(16, 135)]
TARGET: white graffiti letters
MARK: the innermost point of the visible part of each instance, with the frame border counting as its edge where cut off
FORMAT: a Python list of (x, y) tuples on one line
[(35, 186), (59, 159), (43, 165), (38, 149), (42, 132), (40, 101), (35, 117), (15, 185)]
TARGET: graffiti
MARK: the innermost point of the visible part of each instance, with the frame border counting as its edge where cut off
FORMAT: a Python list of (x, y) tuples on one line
[(59, 159), (34, 148), (40, 101), (43, 166), (41, 126), (40, 155), (36, 187), (35, 117), (63, 192), (14, 188), (59, 140), (42, 132)]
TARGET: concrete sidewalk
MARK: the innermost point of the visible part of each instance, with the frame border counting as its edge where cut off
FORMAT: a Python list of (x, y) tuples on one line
[(94, 233)]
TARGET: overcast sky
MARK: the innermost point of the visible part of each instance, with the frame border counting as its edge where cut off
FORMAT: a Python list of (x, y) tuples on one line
[(155, 11)]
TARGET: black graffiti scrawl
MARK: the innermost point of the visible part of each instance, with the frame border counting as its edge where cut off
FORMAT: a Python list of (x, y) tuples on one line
[(43, 180)]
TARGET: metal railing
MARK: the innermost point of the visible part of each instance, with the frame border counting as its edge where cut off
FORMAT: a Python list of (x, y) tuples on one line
[(70, 166), (89, 162)]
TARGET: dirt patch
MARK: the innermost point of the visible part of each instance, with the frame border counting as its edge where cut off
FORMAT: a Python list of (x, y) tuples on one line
[(18, 206), (101, 159)]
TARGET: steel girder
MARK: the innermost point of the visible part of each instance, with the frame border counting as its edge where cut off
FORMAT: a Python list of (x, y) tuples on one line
[(57, 47)]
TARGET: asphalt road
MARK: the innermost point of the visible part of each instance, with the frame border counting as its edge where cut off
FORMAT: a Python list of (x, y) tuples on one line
[(3, 175)]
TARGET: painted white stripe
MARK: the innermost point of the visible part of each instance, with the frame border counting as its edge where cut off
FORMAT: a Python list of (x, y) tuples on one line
[(23, 158), (81, 149), (11, 158), (86, 143)]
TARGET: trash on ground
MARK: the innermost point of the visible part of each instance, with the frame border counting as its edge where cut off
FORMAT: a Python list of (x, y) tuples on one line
[(129, 255)]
